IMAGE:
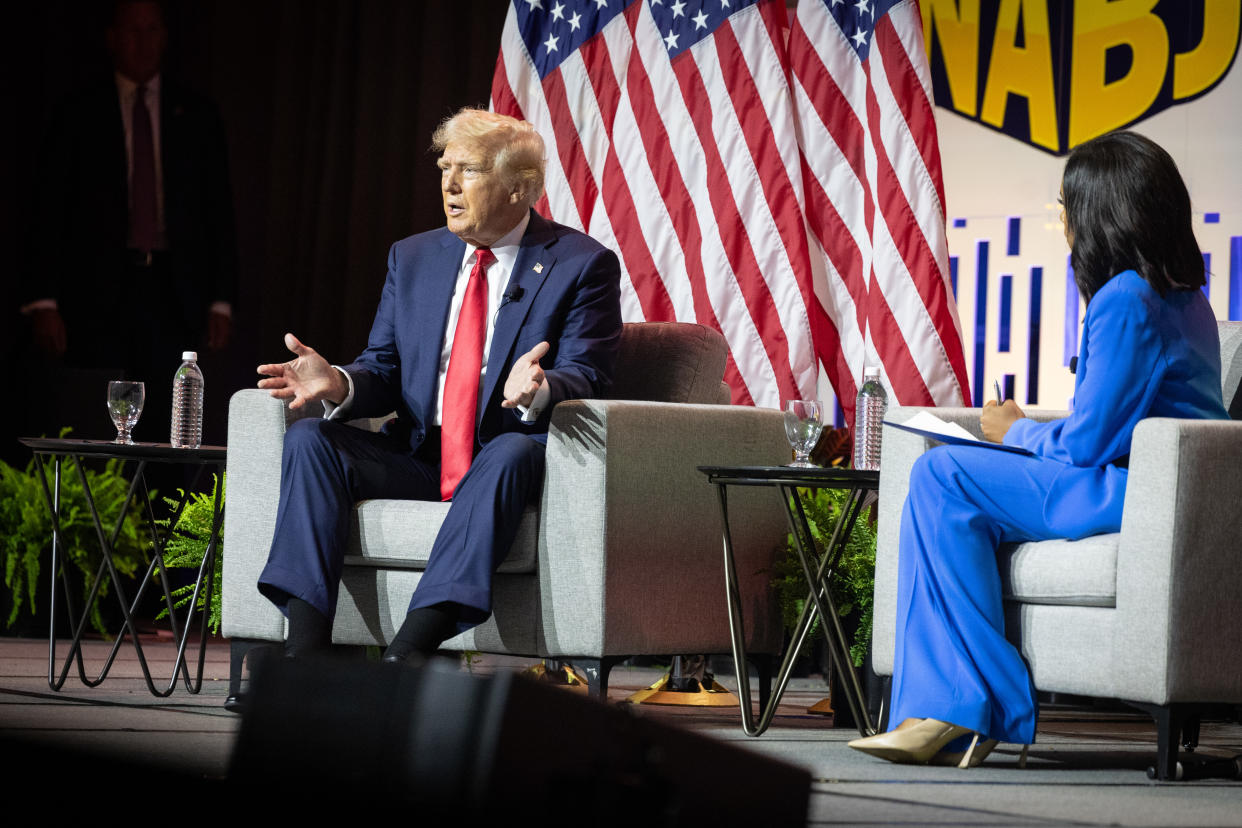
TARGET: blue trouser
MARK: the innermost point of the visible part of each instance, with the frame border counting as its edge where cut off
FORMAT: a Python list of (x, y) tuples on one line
[(952, 660), (328, 467)]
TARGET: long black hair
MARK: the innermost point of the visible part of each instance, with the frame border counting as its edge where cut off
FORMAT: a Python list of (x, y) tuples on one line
[(1127, 208)]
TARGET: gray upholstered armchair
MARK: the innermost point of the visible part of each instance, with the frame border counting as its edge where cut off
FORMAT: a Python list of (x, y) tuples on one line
[(619, 556), (1151, 615)]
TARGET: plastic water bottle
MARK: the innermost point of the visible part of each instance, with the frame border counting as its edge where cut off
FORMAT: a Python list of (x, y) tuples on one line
[(868, 420), (187, 403)]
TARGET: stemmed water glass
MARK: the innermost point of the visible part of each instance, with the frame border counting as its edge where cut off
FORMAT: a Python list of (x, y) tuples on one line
[(803, 423), (125, 401)]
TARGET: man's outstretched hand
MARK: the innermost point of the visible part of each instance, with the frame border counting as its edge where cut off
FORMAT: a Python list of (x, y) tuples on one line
[(525, 378), (306, 379)]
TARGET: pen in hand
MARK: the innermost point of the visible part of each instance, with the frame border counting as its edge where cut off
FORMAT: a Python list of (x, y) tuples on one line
[(996, 417)]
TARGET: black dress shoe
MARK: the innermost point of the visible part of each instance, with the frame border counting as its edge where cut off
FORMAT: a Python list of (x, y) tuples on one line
[(399, 652)]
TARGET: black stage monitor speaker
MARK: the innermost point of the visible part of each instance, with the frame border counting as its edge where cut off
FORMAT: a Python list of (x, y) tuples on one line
[(444, 744)]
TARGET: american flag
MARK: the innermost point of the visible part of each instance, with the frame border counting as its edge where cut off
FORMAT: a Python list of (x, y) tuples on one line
[(875, 197), (672, 138)]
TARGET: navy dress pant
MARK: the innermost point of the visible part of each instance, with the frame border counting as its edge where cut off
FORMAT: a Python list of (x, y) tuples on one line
[(329, 466)]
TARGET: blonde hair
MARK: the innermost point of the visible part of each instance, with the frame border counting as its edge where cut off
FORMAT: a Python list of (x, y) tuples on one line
[(516, 150)]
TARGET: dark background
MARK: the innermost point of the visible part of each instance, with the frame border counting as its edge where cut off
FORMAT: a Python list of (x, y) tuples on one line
[(328, 108)]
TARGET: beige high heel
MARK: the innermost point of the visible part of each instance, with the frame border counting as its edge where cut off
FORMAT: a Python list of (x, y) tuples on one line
[(974, 755), (912, 745)]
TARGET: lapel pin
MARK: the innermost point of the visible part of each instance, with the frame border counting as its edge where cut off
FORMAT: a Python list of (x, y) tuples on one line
[(538, 268)]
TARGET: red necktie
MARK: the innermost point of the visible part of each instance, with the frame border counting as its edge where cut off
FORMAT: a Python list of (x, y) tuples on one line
[(143, 222), (461, 381)]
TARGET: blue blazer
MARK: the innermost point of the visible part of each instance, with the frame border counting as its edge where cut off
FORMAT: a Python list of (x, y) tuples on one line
[(570, 296), (1142, 355)]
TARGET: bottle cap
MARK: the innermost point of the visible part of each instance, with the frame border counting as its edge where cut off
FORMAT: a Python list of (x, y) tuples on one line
[(871, 372), (189, 356)]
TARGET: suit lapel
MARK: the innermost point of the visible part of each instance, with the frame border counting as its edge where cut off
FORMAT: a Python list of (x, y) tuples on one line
[(430, 298), (531, 268)]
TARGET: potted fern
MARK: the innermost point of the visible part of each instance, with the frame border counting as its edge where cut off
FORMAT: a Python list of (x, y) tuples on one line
[(185, 546), (26, 532), (852, 586)]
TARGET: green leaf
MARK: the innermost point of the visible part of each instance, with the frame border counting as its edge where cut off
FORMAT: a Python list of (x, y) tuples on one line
[(26, 529), (852, 585), (185, 546)]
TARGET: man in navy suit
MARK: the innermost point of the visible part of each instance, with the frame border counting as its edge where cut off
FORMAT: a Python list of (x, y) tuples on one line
[(482, 327)]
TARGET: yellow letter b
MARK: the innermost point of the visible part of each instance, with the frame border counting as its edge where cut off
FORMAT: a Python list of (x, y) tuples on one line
[(1095, 106)]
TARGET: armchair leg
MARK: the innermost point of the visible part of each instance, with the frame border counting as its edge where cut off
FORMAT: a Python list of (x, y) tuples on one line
[(879, 690), (1172, 722), (1190, 731), (596, 671), (1168, 734)]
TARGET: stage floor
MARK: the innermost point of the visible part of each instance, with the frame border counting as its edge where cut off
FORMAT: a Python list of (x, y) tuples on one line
[(1087, 768)]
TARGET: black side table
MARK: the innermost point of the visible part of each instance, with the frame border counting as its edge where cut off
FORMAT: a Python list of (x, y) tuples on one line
[(860, 485), (135, 457)]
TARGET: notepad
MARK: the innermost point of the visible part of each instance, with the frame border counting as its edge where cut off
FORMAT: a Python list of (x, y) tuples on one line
[(929, 425)]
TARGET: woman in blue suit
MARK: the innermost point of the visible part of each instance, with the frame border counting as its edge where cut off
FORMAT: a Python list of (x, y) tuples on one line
[(1149, 349)]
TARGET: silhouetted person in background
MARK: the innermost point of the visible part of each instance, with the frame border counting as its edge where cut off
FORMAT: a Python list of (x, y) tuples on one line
[(134, 255)]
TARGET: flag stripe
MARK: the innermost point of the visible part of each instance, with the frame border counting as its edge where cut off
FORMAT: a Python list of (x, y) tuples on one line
[(777, 218), (635, 127), (912, 94), (677, 157), (673, 196), (503, 99), (908, 90), (831, 103), (573, 162), (846, 259), (839, 168), (905, 230), (736, 243), (617, 223)]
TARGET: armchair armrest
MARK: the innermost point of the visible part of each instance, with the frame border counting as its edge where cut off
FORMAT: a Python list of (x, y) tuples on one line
[(256, 434), (1179, 578), (630, 553), (256, 441)]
